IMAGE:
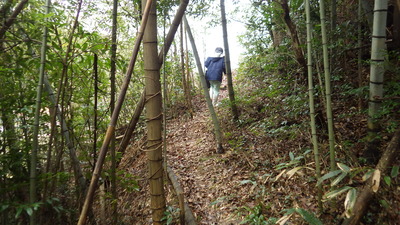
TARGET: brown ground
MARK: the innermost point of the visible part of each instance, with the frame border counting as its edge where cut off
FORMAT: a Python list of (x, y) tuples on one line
[(225, 188)]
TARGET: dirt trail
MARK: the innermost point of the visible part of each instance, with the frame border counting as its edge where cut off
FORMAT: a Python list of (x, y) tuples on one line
[(206, 177), (209, 180)]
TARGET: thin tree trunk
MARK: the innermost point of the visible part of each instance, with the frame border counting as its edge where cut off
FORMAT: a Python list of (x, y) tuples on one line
[(333, 14), (217, 129), (293, 35), (154, 116), (185, 81), (4, 8), (112, 106), (132, 124), (114, 118), (231, 92), (10, 21), (311, 102), (95, 80), (359, 60), (377, 70), (78, 174), (35, 144), (327, 87)]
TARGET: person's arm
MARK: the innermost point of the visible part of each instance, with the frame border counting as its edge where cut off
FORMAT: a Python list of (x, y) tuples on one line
[(223, 66), (207, 62)]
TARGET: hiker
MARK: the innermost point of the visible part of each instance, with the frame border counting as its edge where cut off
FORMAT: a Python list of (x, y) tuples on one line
[(215, 67)]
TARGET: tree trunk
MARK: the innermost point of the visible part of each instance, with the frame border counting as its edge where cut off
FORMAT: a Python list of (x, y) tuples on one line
[(154, 116), (35, 143), (185, 81), (132, 124), (214, 117), (78, 174), (377, 70), (293, 35), (328, 91), (311, 102), (231, 92), (367, 193), (114, 203), (10, 21), (95, 80)]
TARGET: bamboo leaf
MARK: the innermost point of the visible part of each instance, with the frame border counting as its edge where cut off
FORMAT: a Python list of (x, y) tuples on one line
[(395, 171), (376, 178), (283, 219), (293, 171), (337, 192), (291, 155), (338, 179), (351, 198), (309, 217), (367, 175), (279, 175), (387, 180), (328, 175), (343, 167), (29, 210), (19, 210)]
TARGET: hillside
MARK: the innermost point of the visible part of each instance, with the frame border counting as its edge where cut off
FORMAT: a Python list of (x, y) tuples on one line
[(261, 174)]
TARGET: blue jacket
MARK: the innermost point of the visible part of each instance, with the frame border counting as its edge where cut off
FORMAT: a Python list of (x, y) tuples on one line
[(215, 67)]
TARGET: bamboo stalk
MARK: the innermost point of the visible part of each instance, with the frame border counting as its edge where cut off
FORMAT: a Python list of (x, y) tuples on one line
[(231, 92), (311, 102), (186, 215), (377, 70), (214, 117), (366, 193), (35, 144), (328, 92), (172, 31), (114, 118)]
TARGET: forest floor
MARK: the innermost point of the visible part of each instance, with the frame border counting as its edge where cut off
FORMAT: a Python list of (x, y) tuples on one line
[(253, 182)]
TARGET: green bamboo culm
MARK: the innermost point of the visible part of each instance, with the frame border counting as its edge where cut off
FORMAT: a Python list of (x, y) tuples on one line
[(327, 87), (214, 117), (311, 102), (112, 106), (35, 143), (231, 92), (359, 58), (377, 70)]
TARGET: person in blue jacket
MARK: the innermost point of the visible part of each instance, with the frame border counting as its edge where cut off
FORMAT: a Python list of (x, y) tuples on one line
[(215, 67)]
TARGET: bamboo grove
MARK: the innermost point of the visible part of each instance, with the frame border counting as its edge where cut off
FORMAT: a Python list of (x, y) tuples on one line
[(81, 81)]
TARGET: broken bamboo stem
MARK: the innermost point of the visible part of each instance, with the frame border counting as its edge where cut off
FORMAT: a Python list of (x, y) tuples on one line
[(367, 193)]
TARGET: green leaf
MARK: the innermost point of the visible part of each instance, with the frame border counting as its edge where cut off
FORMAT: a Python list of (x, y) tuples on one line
[(368, 175), (247, 182), (338, 179), (4, 207), (29, 210), (19, 210), (309, 217), (343, 167), (328, 175), (387, 180), (291, 155), (337, 192), (395, 171)]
